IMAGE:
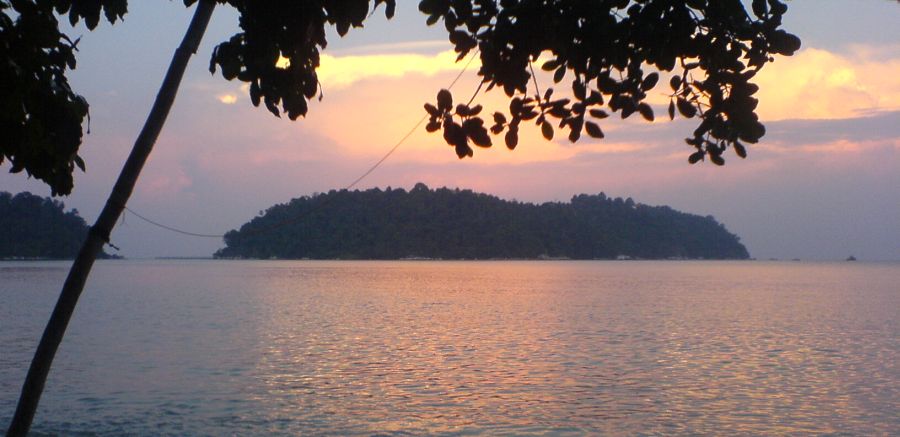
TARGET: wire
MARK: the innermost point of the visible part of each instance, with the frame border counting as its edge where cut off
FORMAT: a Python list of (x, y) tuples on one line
[(327, 200), (169, 228), (413, 130)]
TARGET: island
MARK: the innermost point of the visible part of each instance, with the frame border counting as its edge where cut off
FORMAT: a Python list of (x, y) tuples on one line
[(35, 227), (445, 223)]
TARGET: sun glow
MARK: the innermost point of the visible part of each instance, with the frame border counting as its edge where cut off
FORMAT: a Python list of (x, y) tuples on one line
[(343, 71), (228, 99), (818, 84)]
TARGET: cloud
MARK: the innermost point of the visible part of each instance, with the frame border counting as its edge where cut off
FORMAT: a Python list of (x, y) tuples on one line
[(228, 99), (820, 84), (879, 126), (424, 46), (343, 71), (841, 147), (160, 185)]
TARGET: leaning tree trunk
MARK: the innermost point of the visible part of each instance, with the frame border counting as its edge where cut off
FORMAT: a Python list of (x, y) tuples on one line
[(99, 233)]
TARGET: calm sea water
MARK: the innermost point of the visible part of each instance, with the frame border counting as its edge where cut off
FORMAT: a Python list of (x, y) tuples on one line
[(461, 348)]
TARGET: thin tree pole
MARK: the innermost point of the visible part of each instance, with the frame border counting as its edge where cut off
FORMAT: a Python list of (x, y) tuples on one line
[(100, 231)]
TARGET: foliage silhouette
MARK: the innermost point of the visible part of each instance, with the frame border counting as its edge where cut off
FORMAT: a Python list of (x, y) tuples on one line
[(612, 53), (455, 224), (605, 47), (39, 227), (40, 115)]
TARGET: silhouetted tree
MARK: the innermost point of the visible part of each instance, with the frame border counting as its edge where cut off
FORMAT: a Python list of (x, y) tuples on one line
[(603, 46), (39, 227), (453, 224)]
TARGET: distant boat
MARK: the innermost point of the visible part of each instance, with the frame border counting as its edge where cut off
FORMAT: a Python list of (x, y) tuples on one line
[(851, 258)]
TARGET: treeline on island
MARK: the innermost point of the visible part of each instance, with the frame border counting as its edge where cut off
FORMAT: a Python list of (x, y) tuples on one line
[(35, 227), (461, 224)]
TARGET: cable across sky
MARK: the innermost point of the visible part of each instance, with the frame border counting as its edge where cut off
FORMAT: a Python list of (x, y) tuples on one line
[(348, 187)]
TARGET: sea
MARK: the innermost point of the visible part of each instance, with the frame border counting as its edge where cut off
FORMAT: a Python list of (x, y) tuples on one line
[(398, 348)]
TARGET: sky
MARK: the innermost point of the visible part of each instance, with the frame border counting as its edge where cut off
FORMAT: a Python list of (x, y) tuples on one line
[(824, 183)]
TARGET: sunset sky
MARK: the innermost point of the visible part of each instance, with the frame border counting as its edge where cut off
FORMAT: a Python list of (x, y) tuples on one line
[(824, 183)]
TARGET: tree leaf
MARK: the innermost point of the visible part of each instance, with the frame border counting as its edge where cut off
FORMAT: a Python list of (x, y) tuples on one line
[(650, 81), (444, 100), (559, 74), (390, 8), (675, 83), (579, 89), (696, 156), (474, 128), (760, 8), (598, 113), (686, 108), (784, 43), (512, 138), (628, 108), (593, 130), (454, 134), (740, 149), (463, 150), (646, 111), (79, 162), (547, 130)]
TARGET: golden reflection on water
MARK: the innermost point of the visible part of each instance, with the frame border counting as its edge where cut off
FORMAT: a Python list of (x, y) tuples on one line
[(522, 348), (564, 347)]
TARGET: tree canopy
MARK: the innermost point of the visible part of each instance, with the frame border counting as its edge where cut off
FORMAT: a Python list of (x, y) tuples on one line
[(39, 227), (610, 53), (454, 224)]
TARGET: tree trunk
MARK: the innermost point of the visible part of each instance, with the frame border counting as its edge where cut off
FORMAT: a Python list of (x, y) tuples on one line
[(99, 233)]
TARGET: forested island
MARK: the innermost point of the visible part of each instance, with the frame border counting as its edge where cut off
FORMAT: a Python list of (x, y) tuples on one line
[(35, 227), (461, 224)]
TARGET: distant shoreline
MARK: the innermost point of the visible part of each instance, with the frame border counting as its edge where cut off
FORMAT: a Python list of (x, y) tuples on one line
[(22, 258)]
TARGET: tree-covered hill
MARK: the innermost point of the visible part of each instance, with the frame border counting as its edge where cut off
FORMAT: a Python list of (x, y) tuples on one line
[(453, 224), (36, 227)]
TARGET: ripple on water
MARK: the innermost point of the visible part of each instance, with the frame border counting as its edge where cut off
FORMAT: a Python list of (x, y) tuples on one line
[(407, 348)]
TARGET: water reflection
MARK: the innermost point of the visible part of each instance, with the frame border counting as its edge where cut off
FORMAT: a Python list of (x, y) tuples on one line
[(470, 348)]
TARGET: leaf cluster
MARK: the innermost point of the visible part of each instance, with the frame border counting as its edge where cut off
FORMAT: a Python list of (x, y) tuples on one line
[(40, 115), (277, 50), (90, 10), (610, 53), (470, 128)]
